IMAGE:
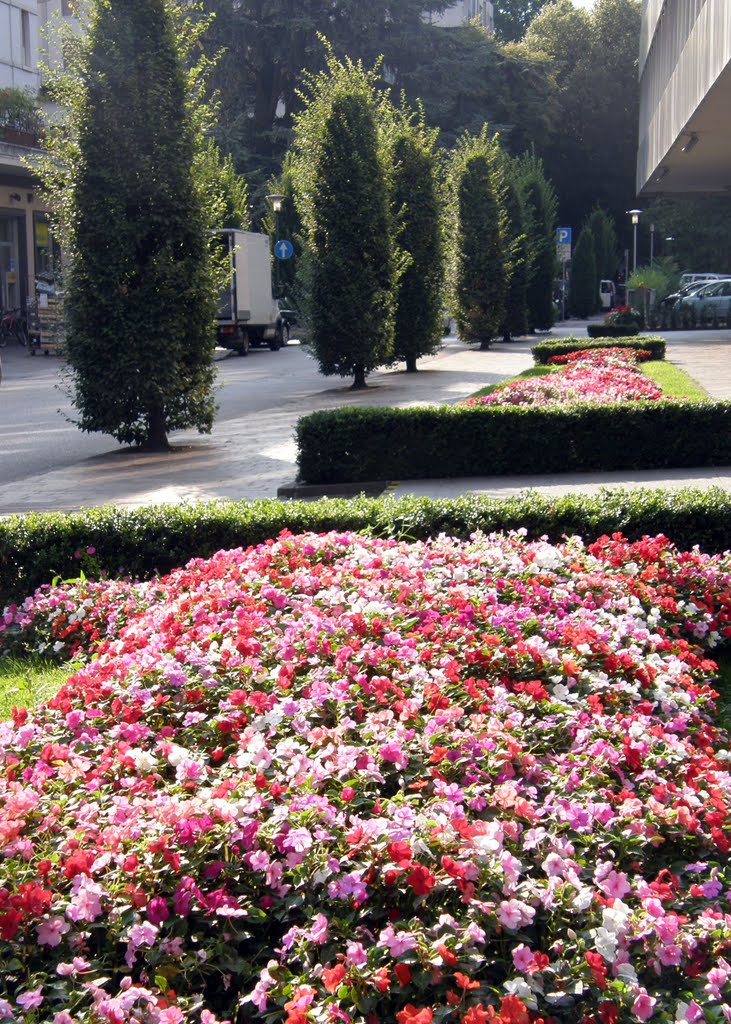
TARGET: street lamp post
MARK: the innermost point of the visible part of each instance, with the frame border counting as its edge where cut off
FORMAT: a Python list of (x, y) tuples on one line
[(635, 215), (276, 200), (652, 244)]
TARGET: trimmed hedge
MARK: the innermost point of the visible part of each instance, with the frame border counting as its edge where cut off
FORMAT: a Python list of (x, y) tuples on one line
[(36, 548), (545, 350), (611, 330), (364, 444)]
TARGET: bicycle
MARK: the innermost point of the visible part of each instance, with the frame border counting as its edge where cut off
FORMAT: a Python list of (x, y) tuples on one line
[(13, 324)]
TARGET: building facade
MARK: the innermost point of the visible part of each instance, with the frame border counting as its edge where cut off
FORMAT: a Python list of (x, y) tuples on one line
[(467, 10), (25, 243), (685, 97)]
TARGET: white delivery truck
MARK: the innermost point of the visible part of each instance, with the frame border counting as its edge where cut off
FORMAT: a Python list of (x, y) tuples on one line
[(247, 313)]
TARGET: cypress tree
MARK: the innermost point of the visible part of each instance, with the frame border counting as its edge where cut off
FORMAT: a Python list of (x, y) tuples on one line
[(605, 244), (540, 204), (342, 188), (417, 205), (140, 286), (584, 289), (516, 311), (479, 253)]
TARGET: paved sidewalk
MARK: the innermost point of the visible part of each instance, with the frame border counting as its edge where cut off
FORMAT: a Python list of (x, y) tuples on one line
[(227, 465)]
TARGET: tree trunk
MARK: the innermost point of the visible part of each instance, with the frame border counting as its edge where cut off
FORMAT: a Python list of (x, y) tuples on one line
[(157, 438), (359, 378), (411, 364), (485, 344)]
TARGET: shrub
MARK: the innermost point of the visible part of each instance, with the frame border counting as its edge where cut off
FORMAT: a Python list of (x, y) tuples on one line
[(545, 350), (140, 542), (611, 330)]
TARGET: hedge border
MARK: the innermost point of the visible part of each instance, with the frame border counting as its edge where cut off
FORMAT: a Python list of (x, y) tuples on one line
[(37, 547), (544, 350)]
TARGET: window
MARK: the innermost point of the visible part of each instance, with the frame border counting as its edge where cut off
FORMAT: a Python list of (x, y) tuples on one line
[(25, 37)]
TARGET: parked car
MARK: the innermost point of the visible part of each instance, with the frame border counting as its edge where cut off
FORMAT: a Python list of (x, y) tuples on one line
[(714, 303), (688, 311), (690, 278), (289, 317), (669, 307)]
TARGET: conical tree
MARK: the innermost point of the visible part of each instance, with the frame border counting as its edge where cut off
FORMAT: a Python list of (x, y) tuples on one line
[(516, 304), (584, 291), (540, 205), (479, 251), (605, 243), (417, 205), (140, 287), (342, 189)]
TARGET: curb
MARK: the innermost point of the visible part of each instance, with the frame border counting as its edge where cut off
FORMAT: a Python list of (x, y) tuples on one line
[(311, 492)]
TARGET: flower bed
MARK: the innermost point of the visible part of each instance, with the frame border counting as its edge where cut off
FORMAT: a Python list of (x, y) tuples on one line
[(334, 778), (600, 375)]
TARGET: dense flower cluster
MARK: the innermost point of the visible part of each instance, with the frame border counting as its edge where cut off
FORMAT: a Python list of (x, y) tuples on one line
[(335, 778), (601, 375)]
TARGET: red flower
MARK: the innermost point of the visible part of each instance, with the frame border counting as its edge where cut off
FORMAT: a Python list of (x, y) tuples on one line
[(464, 982), (332, 976), (478, 1015), (414, 1015), (403, 973), (608, 1013), (513, 1011), (382, 979), (421, 880)]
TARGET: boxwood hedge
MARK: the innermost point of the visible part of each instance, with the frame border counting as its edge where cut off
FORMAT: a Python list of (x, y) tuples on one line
[(363, 444), (36, 548), (545, 350)]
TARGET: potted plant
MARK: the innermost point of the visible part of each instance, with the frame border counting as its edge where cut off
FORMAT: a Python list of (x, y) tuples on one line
[(20, 117)]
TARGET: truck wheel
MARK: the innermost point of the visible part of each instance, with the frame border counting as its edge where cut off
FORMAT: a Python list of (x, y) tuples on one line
[(285, 334), (275, 343), (242, 343)]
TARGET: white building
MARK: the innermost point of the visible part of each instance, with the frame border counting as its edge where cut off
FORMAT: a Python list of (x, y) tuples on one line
[(685, 97), (25, 243), (466, 10)]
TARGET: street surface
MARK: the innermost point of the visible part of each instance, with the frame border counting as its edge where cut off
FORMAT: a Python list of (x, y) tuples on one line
[(46, 463)]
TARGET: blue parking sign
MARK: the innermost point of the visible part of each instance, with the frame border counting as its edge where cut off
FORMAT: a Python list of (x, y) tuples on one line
[(563, 236)]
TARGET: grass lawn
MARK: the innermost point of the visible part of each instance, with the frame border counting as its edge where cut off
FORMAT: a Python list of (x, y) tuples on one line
[(673, 381), (25, 682)]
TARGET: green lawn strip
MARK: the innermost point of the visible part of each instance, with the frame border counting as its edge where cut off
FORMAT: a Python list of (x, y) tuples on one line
[(674, 382), (28, 681)]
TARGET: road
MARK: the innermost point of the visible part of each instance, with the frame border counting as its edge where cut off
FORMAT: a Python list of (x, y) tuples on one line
[(46, 463)]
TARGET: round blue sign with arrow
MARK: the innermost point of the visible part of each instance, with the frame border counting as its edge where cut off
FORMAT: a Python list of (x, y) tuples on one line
[(283, 249)]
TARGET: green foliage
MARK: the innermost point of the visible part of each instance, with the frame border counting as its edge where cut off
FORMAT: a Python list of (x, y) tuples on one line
[(450, 441), (699, 228), (662, 276), (464, 77), (343, 194), (584, 292), (19, 110), (602, 228), (417, 205), (120, 177), (594, 60), (480, 252), (516, 302), (226, 192), (512, 17), (545, 350), (141, 542), (613, 331), (540, 206)]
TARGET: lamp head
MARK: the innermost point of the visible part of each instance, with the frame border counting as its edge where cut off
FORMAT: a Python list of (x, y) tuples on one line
[(635, 215), (276, 200)]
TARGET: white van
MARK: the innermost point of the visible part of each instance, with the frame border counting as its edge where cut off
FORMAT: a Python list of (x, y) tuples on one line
[(696, 278), (607, 294)]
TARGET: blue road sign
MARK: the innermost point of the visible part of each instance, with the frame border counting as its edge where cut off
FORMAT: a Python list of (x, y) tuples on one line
[(283, 249), (563, 236)]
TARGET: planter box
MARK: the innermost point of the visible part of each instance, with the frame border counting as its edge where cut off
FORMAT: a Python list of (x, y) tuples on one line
[(19, 138)]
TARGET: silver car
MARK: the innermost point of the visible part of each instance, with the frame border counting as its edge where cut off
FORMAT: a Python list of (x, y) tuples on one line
[(714, 303)]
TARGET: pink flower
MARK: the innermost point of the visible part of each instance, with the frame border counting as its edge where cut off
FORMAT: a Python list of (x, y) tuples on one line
[(85, 904), (643, 1006), (50, 931), (29, 1000), (514, 914), (171, 1015), (319, 929)]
